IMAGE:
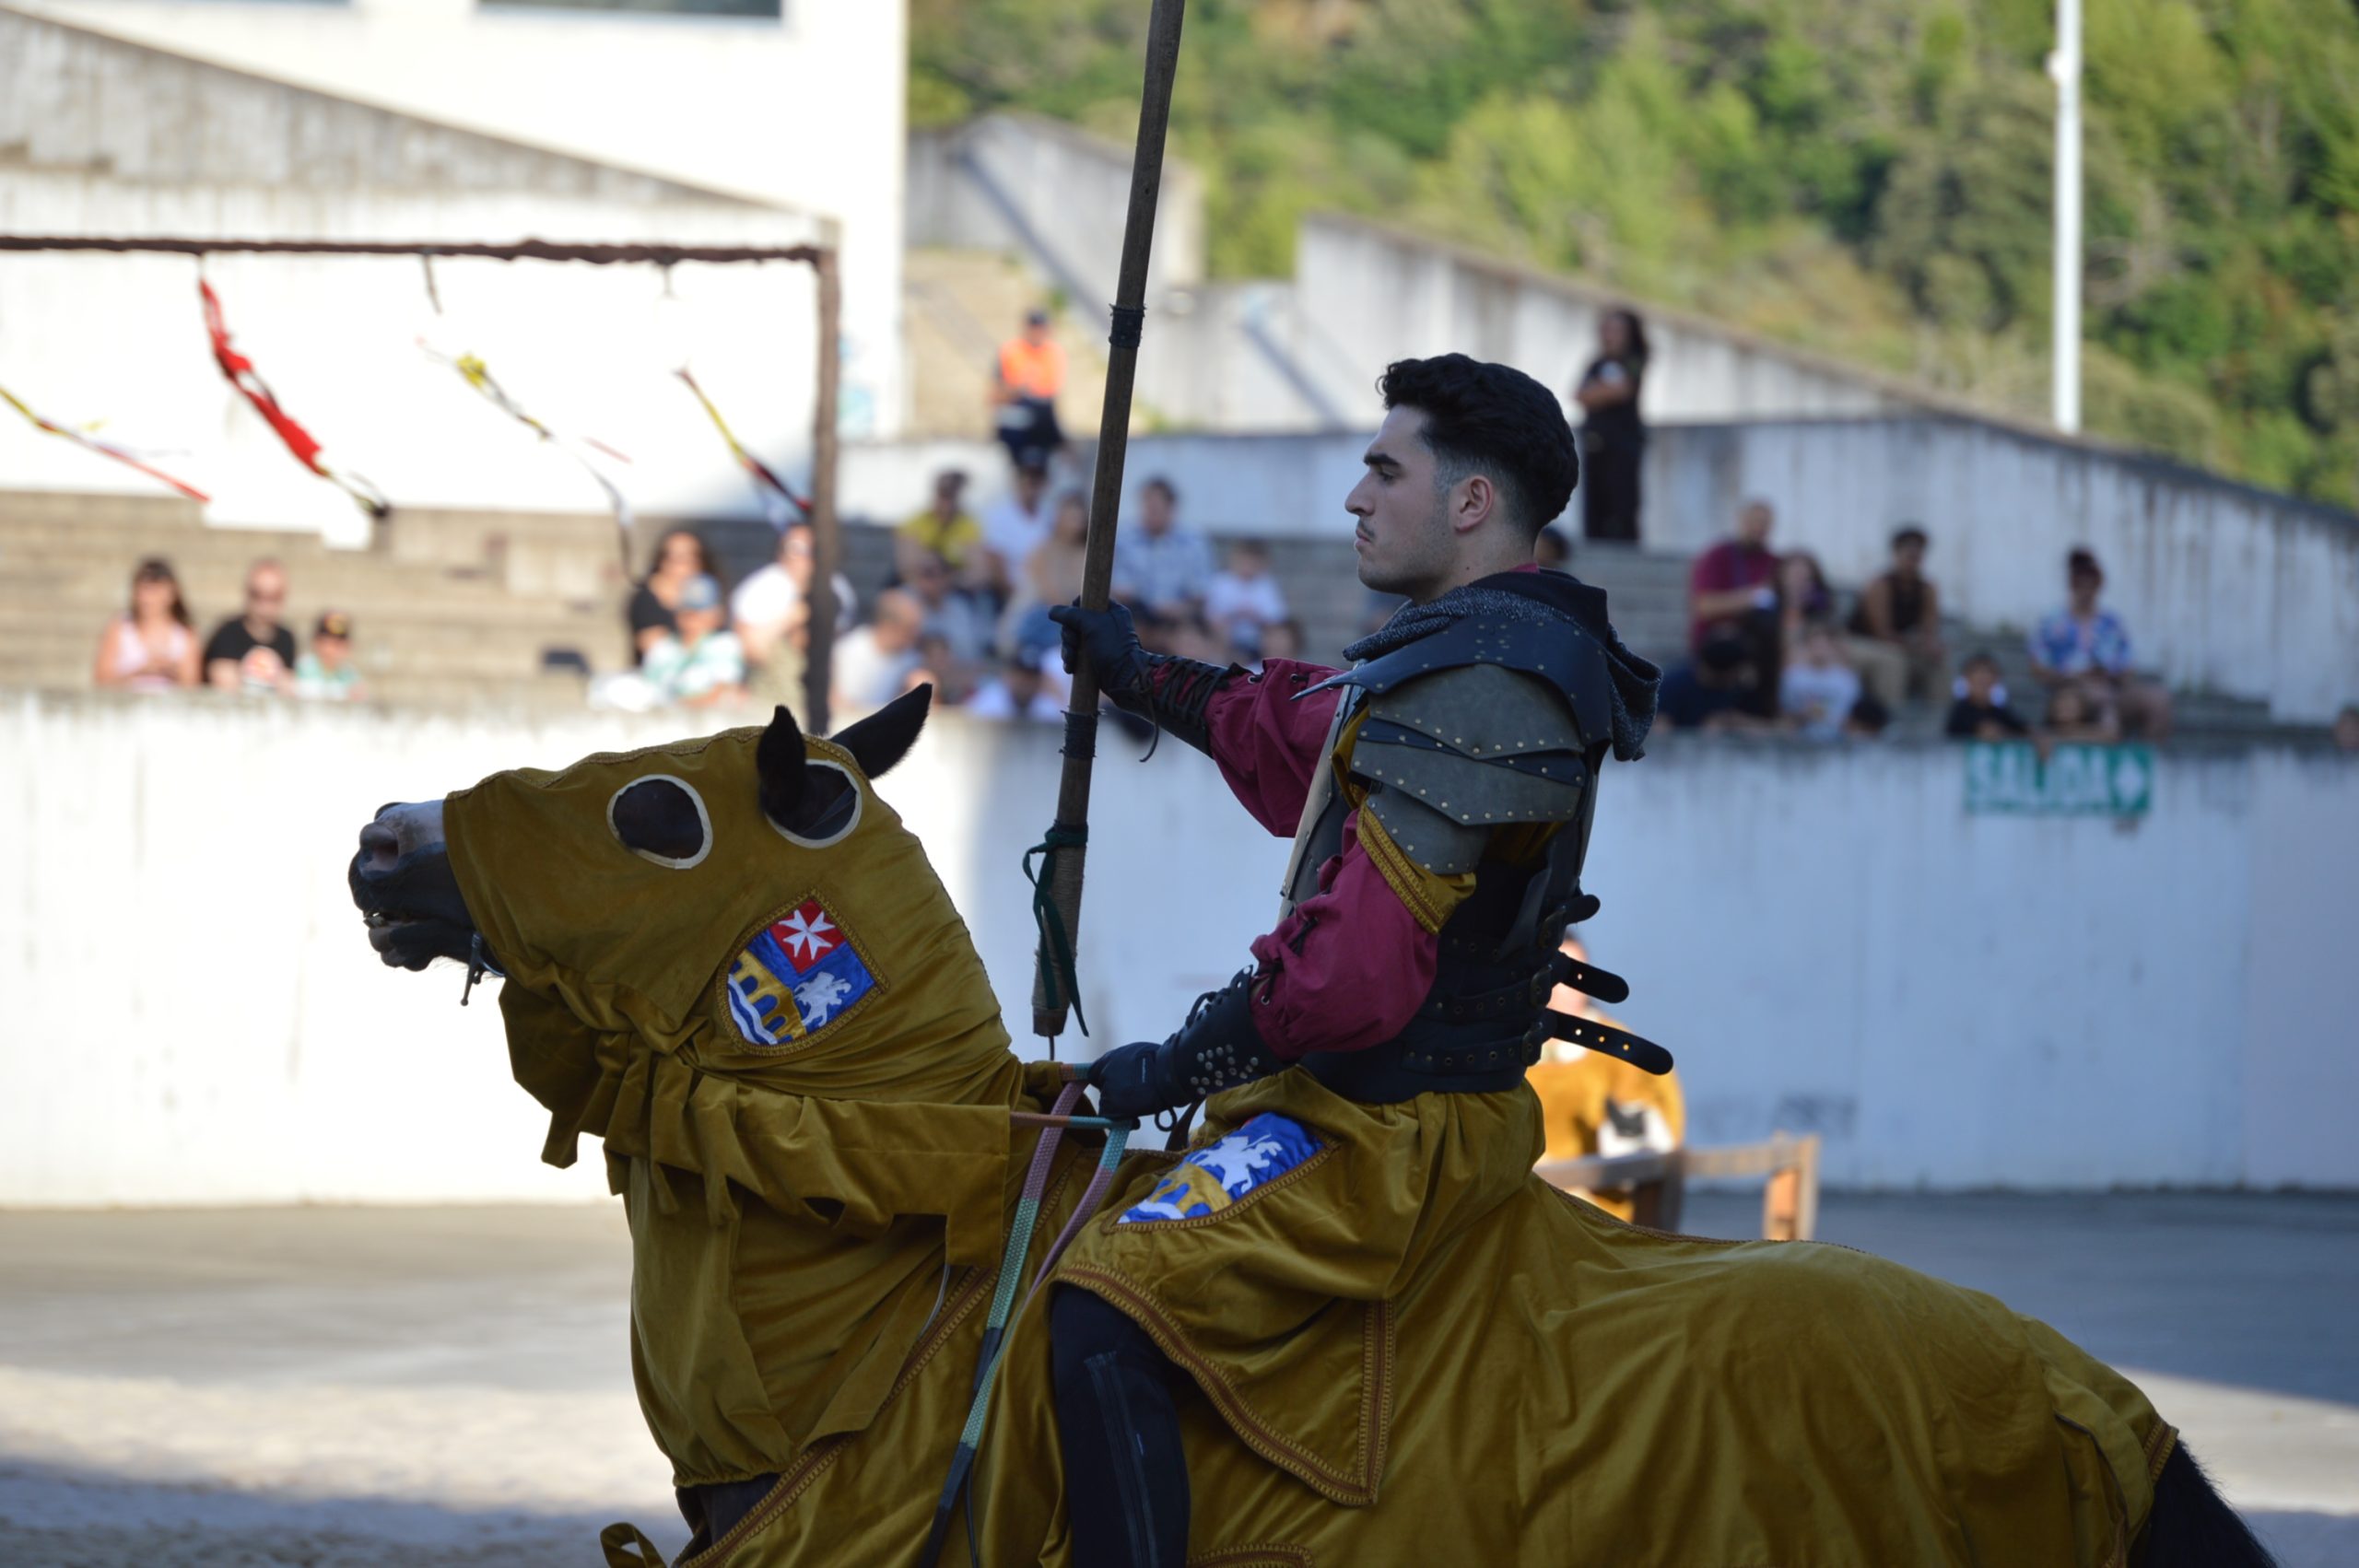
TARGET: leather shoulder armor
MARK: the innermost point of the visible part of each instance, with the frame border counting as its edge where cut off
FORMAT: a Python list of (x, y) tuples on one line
[(1462, 751), (1559, 654)]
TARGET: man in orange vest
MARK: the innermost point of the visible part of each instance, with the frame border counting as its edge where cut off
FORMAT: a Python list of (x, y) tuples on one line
[(1031, 372)]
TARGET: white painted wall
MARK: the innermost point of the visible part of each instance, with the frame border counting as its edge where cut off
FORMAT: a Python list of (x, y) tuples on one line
[(188, 1012), (806, 110)]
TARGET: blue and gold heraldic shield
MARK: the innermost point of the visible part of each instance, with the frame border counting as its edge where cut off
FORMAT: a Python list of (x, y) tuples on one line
[(1215, 1176), (799, 975)]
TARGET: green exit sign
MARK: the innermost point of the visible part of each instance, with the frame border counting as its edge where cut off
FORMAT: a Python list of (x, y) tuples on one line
[(2011, 778)]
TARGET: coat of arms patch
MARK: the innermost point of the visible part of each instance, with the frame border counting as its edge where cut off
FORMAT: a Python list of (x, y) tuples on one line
[(799, 975)]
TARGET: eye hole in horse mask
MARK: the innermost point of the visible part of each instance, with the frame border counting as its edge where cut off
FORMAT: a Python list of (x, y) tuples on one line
[(828, 808), (662, 818)]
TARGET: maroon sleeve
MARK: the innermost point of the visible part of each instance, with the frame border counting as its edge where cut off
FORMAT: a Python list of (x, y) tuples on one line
[(1348, 968), (1267, 743)]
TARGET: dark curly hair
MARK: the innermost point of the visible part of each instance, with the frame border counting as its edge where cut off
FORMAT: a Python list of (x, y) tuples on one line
[(1495, 421)]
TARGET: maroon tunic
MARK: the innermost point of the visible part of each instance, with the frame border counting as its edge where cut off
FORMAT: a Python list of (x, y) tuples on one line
[(1348, 968)]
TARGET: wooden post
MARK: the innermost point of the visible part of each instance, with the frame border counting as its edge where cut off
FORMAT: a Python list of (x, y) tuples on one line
[(1106, 491), (826, 535)]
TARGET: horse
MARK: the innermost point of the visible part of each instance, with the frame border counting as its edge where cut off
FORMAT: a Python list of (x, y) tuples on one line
[(729, 960)]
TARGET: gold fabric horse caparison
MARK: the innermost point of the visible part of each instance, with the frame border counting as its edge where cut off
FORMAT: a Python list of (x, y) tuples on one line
[(791, 1054)]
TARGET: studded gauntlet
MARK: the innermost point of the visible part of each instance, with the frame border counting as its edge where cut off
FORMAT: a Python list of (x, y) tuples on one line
[(1218, 1048)]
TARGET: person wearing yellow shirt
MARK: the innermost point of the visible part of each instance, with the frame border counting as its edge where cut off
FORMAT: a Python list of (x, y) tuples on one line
[(945, 528), (1595, 1104)]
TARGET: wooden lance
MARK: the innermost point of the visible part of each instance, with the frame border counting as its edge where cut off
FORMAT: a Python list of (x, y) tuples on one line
[(1058, 903)]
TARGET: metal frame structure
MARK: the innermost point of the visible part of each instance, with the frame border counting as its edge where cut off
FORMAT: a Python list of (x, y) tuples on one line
[(823, 260)]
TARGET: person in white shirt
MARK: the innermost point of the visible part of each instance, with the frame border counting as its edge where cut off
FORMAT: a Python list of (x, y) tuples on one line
[(767, 609), (1817, 690), (871, 664), (1013, 527), (1244, 598)]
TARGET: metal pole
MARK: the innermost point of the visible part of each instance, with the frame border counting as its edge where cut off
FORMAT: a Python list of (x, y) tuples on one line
[(1106, 491), (826, 538), (2064, 66)]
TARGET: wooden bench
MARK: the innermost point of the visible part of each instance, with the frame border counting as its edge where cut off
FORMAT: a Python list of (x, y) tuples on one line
[(1659, 1181)]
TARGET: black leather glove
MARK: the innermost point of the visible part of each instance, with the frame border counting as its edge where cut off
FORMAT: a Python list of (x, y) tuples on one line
[(1218, 1048), (1171, 691), (1108, 642), (1130, 1081)]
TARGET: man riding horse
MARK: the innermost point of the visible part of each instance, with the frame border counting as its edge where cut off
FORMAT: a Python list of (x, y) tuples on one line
[(1439, 795), (730, 963)]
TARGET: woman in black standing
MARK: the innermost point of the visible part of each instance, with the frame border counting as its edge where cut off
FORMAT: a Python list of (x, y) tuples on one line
[(1613, 438)]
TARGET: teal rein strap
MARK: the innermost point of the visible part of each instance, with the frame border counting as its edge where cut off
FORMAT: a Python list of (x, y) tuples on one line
[(1055, 954), (1025, 1221)]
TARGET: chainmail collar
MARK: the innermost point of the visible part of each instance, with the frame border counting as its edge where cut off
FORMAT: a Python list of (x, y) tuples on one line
[(1634, 679)]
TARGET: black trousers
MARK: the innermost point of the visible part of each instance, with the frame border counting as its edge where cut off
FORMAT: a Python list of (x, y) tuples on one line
[(1609, 486), (1126, 1480)]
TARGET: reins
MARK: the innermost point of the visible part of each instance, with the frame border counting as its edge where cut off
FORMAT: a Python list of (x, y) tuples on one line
[(1005, 1305)]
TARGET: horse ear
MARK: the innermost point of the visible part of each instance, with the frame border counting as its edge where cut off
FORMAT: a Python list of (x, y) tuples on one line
[(883, 738), (780, 760)]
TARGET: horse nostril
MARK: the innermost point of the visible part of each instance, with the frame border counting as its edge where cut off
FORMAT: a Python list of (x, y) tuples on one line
[(380, 848)]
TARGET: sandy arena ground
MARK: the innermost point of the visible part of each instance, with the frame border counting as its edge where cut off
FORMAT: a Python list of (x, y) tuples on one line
[(351, 1388)]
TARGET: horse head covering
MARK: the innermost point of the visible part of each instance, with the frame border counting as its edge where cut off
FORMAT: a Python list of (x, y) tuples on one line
[(742, 909)]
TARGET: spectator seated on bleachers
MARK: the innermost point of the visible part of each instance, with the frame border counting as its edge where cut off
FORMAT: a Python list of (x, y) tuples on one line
[(1280, 639), (1018, 691), (254, 651), (1715, 690), (961, 623), (1733, 602), (2086, 646), (1013, 527), (946, 529), (874, 663), (1161, 568), (681, 556), (1817, 691), (326, 672), (702, 665), (1052, 577), (768, 609), (1980, 710), (1243, 598), (1896, 638), (2074, 718), (150, 647)]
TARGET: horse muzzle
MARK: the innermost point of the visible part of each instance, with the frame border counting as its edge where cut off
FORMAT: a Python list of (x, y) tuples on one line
[(408, 897)]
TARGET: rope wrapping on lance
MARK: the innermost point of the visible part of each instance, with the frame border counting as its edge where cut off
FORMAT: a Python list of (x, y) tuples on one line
[(1129, 326), (1054, 954)]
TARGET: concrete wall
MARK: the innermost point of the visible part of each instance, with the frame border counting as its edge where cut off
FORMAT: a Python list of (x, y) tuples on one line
[(1055, 195), (208, 151), (2224, 586), (1368, 294), (803, 111), (188, 1012)]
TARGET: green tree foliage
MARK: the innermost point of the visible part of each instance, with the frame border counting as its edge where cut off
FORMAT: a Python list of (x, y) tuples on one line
[(1867, 176)]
